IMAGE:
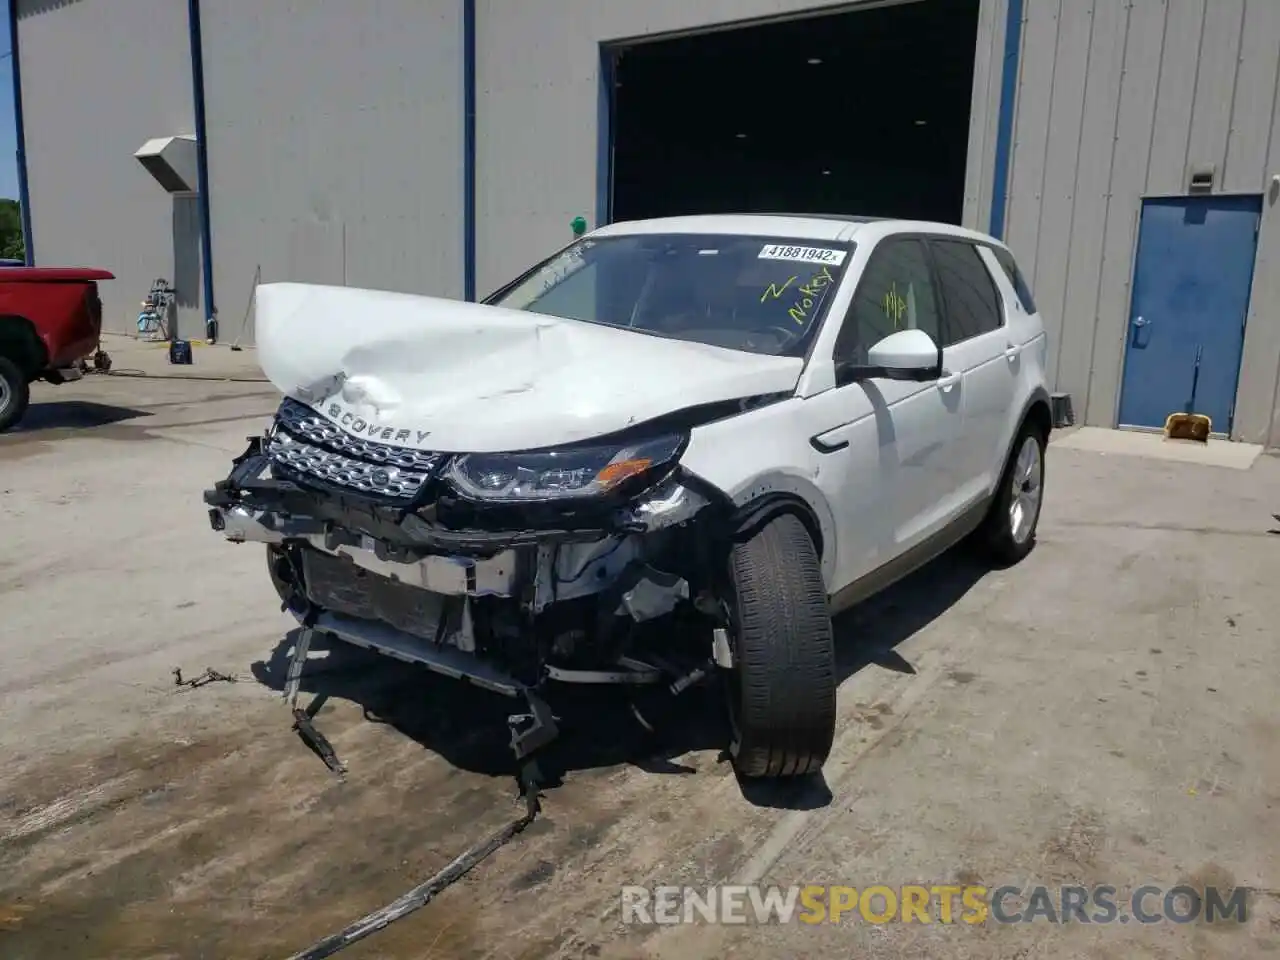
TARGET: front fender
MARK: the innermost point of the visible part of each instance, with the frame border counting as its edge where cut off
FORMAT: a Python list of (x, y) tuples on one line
[(765, 496)]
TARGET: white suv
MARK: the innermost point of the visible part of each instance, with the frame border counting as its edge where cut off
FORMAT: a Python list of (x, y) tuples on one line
[(670, 452)]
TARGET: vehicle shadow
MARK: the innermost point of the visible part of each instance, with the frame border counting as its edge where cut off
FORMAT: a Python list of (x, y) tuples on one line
[(868, 635), (467, 726), (73, 415)]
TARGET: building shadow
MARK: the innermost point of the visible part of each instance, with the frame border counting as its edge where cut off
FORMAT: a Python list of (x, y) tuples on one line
[(608, 726)]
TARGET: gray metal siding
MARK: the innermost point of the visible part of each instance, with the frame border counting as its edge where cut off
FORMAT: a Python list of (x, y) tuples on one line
[(1056, 191), (988, 67), (1079, 273), (537, 95), (96, 86), (335, 146), (1253, 160), (1117, 101)]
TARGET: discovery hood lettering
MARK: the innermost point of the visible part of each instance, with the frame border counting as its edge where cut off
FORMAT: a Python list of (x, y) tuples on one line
[(446, 375)]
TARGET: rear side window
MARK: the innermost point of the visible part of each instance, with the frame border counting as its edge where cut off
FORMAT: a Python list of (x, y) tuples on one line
[(973, 304), (1010, 267)]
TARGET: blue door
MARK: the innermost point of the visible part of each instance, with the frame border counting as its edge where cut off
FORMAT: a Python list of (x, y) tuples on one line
[(1190, 297)]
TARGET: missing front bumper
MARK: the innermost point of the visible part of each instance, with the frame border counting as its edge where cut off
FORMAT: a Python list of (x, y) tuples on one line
[(383, 578)]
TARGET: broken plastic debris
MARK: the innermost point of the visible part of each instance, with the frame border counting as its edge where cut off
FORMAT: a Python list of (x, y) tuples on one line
[(655, 594)]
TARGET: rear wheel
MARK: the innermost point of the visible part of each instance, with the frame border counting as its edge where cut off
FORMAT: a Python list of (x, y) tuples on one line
[(782, 686), (1009, 531), (15, 393)]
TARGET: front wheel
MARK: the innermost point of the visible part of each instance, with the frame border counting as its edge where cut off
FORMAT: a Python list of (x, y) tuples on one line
[(782, 686), (285, 579), (15, 393)]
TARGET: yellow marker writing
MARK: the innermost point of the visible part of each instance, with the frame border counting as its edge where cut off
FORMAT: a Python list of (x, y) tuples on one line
[(774, 291), (809, 294), (894, 305)]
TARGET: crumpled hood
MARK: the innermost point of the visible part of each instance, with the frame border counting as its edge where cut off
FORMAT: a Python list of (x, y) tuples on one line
[(452, 376)]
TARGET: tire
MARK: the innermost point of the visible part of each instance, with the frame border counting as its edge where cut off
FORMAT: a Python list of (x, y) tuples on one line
[(15, 393), (782, 686), (1007, 537)]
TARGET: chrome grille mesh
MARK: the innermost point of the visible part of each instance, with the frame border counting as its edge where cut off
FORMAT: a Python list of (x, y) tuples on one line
[(313, 461), (305, 442), (304, 423)]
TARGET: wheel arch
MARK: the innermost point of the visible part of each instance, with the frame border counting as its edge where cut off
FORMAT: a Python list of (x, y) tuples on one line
[(749, 518), (757, 502), (1038, 411), (21, 344)]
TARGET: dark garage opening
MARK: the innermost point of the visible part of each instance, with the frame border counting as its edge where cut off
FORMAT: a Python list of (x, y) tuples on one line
[(860, 112)]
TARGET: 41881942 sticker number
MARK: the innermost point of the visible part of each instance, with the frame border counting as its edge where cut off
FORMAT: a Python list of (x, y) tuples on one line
[(778, 251)]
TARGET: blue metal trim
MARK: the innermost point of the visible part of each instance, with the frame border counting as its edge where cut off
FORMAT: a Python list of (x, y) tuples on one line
[(469, 149), (20, 135), (202, 167), (604, 136), (1004, 123)]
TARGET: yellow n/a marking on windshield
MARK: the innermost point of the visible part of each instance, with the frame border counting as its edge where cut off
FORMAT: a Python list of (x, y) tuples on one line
[(774, 291)]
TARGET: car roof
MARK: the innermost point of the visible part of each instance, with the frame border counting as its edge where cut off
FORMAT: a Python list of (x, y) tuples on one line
[(814, 226)]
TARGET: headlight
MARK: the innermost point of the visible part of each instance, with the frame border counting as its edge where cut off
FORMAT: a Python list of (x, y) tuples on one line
[(558, 474)]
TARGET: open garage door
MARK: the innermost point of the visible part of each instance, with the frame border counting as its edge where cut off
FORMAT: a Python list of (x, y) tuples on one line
[(864, 111)]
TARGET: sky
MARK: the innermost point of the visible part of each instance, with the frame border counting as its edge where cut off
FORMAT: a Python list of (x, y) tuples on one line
[(8, 136)]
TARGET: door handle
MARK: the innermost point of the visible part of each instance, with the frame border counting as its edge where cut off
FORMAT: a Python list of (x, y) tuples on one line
[(1140, 321), (1011, 352), (948, 380)]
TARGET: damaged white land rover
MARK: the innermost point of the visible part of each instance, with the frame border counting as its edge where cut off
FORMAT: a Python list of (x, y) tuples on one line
[(668, 453)]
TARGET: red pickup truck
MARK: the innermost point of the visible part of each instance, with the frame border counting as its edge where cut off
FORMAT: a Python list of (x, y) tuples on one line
[(50, 320)]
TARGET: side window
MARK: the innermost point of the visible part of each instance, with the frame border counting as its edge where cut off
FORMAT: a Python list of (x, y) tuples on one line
[(1010, 267), (973, 303), (895, 292)]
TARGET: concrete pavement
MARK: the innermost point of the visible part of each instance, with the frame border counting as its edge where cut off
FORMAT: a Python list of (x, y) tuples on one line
[(1104, 712), (133, 357)]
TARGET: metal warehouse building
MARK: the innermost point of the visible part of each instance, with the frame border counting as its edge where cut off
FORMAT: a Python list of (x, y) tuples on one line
[(1127, 150)]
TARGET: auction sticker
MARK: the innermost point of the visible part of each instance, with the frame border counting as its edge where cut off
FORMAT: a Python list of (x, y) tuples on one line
[(777, 251)]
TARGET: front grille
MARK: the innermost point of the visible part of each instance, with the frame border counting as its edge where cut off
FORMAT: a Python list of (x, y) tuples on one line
[(307, 444), (332, 467), (305, 424)]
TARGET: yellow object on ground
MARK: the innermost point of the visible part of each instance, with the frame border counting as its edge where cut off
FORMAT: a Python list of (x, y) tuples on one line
[(1188, 426)]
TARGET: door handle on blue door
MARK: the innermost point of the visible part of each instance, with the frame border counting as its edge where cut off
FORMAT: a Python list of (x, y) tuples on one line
[(1138, 323)]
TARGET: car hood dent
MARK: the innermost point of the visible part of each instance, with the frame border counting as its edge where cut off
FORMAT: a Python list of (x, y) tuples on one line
[(439, 374)]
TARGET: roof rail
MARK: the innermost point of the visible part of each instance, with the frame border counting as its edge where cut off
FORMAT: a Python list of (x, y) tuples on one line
[(842, 217)]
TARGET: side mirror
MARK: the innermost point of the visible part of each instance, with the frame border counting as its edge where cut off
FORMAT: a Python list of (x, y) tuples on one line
[(907, 355)]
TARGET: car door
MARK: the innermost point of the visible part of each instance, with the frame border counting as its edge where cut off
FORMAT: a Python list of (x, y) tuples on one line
[(898, 484), (977, 341)]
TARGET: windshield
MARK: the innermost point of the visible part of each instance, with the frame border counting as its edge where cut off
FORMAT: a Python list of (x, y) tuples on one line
[(759, 294)]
